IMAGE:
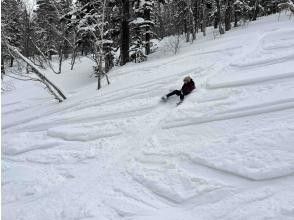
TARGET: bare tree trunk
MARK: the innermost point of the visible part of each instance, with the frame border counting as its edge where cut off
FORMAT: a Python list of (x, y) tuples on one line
[(216, 21), (98, 60), (27, 24), (2, 67), (147, 37), (99, 74), (162, 31), (108, 59), (235, 16), (73, 59), (187, 29), (49, 56), (228, 15), (124, 37), (51, 90), (11, 61), (256, 10), (74, 51), (204, 13), (60, 59), (107, 79), (191, 21), (195, 16), (219, 17)]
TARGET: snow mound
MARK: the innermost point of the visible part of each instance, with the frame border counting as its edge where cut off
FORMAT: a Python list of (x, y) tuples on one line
[(82, 133)]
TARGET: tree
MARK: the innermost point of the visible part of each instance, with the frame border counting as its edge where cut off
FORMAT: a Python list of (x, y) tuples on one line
[(228, 14), (51, 35), (219, 16), (52, 88), (256, 10), (124, 32), (46, 20), (90, 23), (11, 25)]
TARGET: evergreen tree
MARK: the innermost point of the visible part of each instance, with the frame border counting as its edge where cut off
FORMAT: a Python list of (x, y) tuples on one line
[(11, 26), (47, 21)]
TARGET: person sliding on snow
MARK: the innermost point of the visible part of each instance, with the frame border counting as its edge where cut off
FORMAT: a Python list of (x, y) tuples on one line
[(187, 88)]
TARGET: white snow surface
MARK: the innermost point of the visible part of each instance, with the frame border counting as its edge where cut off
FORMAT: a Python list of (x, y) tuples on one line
[(119, 153)]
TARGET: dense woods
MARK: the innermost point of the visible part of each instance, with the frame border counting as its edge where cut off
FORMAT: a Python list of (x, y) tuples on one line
[(114, 32)]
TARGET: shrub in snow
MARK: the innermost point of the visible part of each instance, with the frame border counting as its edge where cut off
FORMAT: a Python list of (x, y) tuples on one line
[(173, 44)]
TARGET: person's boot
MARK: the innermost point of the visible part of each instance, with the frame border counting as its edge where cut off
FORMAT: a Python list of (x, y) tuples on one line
[(164, 98), (180, 102)]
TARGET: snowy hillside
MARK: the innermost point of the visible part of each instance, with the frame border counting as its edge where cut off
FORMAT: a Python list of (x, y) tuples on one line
[(226, 153)]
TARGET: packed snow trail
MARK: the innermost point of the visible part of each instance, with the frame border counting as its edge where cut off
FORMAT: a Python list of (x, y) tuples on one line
[(225, 153)]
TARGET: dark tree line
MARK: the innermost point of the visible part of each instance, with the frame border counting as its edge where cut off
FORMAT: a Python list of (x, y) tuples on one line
[(101, 29)]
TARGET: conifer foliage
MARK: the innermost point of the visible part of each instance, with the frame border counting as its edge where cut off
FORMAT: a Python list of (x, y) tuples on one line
[(114, 32)]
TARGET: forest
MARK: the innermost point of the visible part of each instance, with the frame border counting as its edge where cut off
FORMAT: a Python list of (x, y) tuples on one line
[(113, 32)]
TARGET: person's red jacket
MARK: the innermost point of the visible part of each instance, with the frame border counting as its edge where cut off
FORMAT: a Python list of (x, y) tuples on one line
[(188, 87)]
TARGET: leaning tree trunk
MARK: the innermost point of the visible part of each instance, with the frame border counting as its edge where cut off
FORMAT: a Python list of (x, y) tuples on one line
[(59, 96), (124, 36)]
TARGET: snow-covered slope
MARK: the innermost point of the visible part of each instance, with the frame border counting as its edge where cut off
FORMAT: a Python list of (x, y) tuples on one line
[(226, 153)]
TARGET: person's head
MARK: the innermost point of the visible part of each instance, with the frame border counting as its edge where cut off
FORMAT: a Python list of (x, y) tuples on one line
[(187, 79)]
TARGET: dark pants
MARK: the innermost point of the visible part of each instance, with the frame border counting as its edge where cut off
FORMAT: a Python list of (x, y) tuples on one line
[(176, 92)]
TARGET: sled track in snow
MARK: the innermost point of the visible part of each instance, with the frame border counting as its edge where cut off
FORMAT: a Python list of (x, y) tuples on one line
[(152, 168), (262, 63), (66, 107), (243, 179), (43, 126), (258, 80), (237, 113), (138, 89)]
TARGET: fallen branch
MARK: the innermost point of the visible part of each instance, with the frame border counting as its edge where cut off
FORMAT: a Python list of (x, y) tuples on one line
[(51, 87)]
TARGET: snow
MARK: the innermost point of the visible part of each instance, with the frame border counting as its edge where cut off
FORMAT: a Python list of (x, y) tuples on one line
[(138, 20), (119, 153)]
